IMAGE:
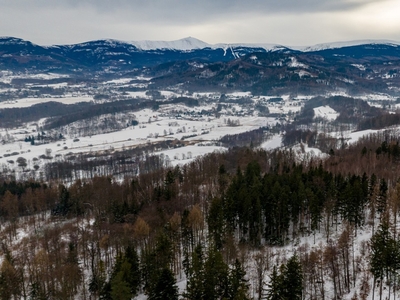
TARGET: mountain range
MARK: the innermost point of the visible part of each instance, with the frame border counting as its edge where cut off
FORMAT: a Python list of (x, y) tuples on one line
[(18, 53), (357, 66)]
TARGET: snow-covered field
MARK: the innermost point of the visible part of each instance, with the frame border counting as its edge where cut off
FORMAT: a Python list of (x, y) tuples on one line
[(199, 127), (200, 133)]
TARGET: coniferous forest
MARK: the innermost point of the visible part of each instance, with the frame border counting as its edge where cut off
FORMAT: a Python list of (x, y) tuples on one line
[(241, 224)]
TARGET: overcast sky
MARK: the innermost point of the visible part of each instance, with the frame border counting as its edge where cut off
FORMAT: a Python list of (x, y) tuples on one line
[(286, 22)]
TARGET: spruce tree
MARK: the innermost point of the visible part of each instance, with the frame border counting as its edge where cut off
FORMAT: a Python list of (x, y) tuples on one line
[(385, 254), (133, 274), (120, 289), (194, 269), (292, 277), (165, 288), (216, 222), (288, 284), (215, 275), (238, 286), (275, 287)]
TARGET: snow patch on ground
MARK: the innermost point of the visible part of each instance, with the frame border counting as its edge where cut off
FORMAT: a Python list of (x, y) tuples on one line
[(325, 112), (27, 102), (273, 143), (355, 136), (187, 154), (358, 66), (240, 94), (294, 63), (303, 73)]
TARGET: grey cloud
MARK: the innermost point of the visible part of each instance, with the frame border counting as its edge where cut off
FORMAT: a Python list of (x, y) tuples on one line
[(282, 21), (188, 9), (142, 13), (227, 6), (221, 6), (196, 12)]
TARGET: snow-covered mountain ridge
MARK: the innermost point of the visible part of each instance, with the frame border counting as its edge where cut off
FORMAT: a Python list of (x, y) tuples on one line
[(184, 44), (114, 56), (191, 43)]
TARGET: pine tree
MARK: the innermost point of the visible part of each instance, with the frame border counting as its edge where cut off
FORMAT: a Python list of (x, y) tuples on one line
[(133, 273), (275, 287), (215, 275), (120, 289), (165, 288), (288, 285), (385, 255), (238, 286), (216, 222), (292, 279), (382, 196), (194, 269), (124, 280)]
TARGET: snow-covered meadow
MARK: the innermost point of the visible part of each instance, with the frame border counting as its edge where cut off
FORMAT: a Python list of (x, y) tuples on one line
[(200, 133), (199, 128)]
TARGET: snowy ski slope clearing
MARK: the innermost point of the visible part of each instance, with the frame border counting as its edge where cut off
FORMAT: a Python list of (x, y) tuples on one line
[(325, 112)]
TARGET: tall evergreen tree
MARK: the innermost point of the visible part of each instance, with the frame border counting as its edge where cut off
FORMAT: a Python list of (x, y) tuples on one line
[(382, 196), (215, 275), (216, 222), (124, 280), (133, 274), (194, 269), (275, 287), (288, 284), (385, 255), (292, 279), (120, 288), (165, 288), (238, 286)]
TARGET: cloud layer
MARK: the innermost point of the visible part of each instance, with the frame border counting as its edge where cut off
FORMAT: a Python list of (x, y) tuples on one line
[(289, 22)]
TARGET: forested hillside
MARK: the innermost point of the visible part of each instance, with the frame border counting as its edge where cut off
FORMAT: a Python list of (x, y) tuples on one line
[(242, 224)]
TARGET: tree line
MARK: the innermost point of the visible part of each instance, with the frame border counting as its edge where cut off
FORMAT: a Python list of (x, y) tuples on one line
[(114, 239)]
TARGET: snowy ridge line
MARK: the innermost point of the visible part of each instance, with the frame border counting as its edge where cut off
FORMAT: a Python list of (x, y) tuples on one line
[(191, 43), (335, 45)]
